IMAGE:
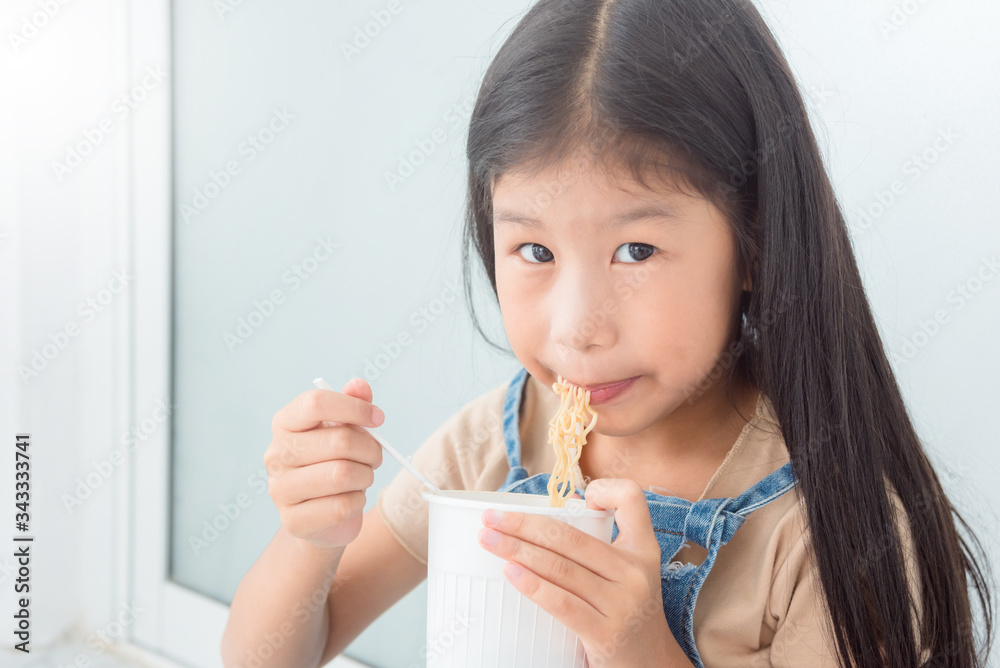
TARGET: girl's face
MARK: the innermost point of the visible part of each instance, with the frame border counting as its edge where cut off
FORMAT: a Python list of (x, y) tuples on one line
[(601, 280)]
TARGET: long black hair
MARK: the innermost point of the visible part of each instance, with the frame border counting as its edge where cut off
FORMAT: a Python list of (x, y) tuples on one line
[(700, 92)]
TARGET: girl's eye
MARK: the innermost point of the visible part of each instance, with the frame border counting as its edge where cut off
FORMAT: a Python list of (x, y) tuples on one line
[(634, 252), (537, 254)]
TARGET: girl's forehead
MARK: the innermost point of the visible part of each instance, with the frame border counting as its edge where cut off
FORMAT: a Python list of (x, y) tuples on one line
[(537, 188), (650, 175)]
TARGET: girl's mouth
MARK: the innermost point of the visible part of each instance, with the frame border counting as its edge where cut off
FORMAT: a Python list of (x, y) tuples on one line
[(609, 392)]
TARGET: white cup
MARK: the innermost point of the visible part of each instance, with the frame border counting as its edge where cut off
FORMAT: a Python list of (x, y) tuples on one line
[(475, 617)]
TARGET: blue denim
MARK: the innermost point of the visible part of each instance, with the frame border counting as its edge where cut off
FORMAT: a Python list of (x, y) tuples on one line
[(710, 523)]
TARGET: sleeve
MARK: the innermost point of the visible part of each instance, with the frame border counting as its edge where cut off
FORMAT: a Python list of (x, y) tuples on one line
[(804, 634), (453, 457)]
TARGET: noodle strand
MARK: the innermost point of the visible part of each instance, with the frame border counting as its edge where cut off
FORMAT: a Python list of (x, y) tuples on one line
[(567, 435)]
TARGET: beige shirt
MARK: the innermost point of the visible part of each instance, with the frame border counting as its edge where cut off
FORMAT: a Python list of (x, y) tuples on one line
[(761, 604)]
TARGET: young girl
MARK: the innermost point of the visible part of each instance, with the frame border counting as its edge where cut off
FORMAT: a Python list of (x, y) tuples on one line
[(649, 204)]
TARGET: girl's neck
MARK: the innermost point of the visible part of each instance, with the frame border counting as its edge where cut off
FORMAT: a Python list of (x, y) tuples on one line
[(684, 451)]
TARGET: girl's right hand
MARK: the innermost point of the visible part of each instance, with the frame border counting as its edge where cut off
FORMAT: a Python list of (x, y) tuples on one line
[(320, 462)]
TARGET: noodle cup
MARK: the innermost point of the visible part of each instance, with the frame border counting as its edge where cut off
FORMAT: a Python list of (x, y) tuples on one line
[(475, 617)]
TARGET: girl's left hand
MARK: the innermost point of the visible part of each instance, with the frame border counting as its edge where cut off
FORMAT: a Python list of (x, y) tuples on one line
[(609, 595)]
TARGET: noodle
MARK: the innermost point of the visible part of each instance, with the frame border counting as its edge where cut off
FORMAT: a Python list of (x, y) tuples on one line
[(567, 435)]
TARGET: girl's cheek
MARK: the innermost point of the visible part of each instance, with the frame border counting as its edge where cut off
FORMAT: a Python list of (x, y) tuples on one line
[(521, 290)]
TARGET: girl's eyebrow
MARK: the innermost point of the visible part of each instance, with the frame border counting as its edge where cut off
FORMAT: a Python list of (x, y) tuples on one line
[(665, 213)]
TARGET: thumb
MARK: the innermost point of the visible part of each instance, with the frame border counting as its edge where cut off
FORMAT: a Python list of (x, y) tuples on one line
[(625, 496), (358, 387)]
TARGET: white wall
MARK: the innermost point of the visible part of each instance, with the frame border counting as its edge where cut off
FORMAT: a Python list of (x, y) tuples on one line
[(64, 247)]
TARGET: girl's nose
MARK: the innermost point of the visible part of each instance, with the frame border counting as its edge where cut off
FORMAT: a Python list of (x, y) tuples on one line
[(583, 315)]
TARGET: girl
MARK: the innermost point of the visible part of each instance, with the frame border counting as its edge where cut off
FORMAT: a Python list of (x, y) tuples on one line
[(649, 204)]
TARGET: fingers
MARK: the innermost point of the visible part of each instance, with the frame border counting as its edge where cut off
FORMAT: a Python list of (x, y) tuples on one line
[(559, 538), (625, 496), (294, 449), (312, 407), (572, 611), (358, 387), (328, 513), (578, 578), (319, 480), (551, 566)]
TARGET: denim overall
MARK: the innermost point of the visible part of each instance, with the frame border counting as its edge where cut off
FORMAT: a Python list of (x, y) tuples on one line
[(710, 523)]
